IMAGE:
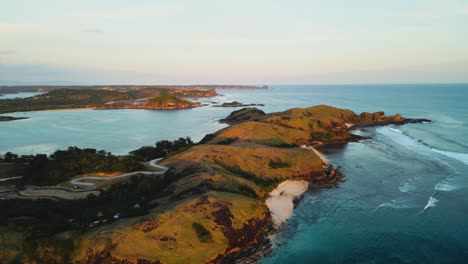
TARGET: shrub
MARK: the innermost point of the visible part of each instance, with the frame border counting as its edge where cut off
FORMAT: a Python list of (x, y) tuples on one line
[(203, 234), (278, 164)]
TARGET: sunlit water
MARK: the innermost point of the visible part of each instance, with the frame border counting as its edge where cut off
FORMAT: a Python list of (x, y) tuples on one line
[(405, 198), (19, 95)]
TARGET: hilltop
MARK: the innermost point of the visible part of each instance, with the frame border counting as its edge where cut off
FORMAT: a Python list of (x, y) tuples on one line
[(299, 126)]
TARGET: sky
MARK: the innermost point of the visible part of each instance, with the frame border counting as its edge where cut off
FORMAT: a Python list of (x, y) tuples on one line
[(233, 42)]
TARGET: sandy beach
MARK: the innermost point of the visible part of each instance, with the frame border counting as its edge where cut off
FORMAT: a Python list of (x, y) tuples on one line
[(281, 199)]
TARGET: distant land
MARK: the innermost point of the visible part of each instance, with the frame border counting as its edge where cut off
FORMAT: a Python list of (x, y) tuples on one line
[(123, 88), (213, 202), (111, 97), (162, 102)]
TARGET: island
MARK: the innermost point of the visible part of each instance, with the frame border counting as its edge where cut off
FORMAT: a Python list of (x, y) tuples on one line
[(105, 98), (213, 202), (163, 102)]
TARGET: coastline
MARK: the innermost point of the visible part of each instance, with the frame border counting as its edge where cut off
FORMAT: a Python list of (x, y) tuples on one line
[(281, 200), (291, 171), (63, 109), (52, 110)]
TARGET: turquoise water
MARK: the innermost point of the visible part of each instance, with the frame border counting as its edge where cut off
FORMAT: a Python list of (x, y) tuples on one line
[(19, 95), (405, 199)]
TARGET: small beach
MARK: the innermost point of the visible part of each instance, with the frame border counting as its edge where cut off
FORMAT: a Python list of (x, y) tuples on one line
[(281, 200)]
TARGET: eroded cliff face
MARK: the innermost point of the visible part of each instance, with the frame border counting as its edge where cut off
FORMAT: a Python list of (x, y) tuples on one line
[(241, 238), (231, 221)]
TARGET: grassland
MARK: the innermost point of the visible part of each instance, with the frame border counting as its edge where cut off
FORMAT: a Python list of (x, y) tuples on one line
[(162, 102), (210, 205)]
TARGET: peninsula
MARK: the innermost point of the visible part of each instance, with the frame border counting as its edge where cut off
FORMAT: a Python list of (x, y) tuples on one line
[(165, 98), (216, 202), (123, 88), (163, 102)]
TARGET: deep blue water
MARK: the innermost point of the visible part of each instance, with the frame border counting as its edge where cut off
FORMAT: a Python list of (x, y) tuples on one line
[(405, 199)]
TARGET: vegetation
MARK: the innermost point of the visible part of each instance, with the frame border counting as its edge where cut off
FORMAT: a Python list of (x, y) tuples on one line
[(243, 115), (203, 234), (209, 203), (166, 101), (62, 98), (250, 162), (79, 98), (278, 164), (45, 217), (62, 165), (295, 127), (162, 149), (11, 170)]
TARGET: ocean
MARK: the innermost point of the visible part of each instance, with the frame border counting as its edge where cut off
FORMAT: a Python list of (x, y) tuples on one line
[(405, 195)]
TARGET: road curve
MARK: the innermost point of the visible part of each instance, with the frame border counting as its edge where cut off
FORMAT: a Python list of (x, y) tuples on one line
[(152, 163)]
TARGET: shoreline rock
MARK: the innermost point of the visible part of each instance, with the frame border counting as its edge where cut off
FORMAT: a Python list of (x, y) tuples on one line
[(11, 118), (237, 104)]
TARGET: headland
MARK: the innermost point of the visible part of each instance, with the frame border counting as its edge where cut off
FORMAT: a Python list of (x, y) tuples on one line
[(216, 202)]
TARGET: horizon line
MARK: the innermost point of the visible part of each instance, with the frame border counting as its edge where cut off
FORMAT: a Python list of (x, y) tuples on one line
[(244, 85)]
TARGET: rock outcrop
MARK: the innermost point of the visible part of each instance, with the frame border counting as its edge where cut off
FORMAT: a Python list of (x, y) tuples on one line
[(11, 118), (243, 115)]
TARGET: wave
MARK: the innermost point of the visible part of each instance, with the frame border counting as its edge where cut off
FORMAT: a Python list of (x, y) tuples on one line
[(401, 203), (463, 157), (446, 185), (432, 202), (407, 186), (416, 145)]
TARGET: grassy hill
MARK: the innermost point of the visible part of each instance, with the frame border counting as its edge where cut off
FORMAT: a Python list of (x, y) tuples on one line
[(169, 101), (208, 207), (298, 126)]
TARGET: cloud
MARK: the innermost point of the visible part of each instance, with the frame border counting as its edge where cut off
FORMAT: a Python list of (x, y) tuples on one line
[(7, 52), (93, 30)]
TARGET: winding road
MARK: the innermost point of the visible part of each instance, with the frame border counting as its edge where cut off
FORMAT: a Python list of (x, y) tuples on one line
[(152, 163)]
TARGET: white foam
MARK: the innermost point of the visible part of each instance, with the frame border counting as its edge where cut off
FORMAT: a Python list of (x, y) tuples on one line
[(407, 186), (463, 157), (402, 139), (395, 130), (446, 185), (431, 203), (397, 204), (416, 146)]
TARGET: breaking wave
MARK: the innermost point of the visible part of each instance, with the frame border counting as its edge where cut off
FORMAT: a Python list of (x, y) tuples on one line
[(417, 146)]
